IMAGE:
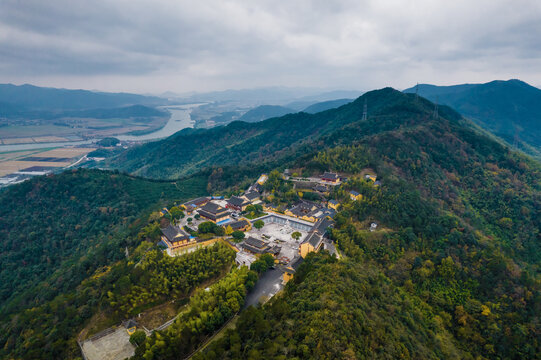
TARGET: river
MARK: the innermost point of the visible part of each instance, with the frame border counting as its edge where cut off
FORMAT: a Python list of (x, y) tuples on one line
[(180, 119)]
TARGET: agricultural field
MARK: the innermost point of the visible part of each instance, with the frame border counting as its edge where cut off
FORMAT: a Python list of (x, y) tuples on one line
[(44, 159), (73, 129)]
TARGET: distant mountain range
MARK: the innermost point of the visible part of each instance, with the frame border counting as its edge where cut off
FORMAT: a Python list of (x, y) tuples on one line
[(284, 96), (510, 109), (32, 102), (265, 112), (271, 139), (29, 97), (326, 105), (452, 270)]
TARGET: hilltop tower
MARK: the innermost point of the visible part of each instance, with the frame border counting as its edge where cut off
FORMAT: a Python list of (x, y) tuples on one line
[(365, 111)]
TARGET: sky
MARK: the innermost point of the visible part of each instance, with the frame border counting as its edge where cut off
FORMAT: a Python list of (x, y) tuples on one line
[(182, 46)]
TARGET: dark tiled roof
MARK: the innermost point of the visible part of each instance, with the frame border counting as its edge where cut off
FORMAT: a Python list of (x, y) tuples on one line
[(171, 232), (239, 224), (297, 211), (314, 239), (275, 249), (212, 208), (321, 188), (253, 248), (329, 175), (236, 201), (255, 242), (305, 206), (329, 212), (196, 202), (252, 195), (323, 224), (354, 193), (333, 202)]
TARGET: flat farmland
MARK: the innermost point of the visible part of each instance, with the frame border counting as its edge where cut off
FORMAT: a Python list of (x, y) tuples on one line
[(8, 167), (11, 162), (66, 129), (14, 155), (66, 152), (29, 131)]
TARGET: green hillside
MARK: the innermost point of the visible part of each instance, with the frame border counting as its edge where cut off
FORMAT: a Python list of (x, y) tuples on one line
[(507, 108), (456, 272), (462, 219), (269, 142), (453, 271), (56, 230)]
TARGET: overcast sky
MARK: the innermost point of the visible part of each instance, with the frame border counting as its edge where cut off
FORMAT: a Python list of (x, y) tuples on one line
[(159, 45)]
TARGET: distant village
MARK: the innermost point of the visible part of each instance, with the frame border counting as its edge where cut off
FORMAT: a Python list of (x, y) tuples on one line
[(253, 227)]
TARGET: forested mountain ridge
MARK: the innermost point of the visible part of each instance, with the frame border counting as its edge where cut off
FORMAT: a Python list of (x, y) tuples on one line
[(56, 230), (268, 141), (455, 274), (30, 97), (462, 213), (452, 272), (507, 108)]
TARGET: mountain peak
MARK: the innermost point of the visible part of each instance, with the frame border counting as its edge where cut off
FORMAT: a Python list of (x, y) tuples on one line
[(509, 108)]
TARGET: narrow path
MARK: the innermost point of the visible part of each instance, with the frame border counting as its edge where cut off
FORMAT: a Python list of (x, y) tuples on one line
[(78, 161), (212, 337)]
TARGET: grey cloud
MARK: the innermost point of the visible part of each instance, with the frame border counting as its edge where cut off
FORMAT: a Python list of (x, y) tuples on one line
[(185, 45)]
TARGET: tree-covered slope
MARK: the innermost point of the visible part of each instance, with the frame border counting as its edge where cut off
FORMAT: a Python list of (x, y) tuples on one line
[(56, 230), (454, 270), (268, 141), (507, 108), (338, 310), (265, 112)]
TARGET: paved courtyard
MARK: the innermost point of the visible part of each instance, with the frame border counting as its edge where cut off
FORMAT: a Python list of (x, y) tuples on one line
[(113, 344), (278, 234)]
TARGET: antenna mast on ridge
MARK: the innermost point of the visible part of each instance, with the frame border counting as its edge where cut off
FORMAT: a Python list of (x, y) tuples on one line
[(365, 110)]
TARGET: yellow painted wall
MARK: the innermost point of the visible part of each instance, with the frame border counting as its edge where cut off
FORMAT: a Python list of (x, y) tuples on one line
[(287, 277), (333, 206), (309, 218), (305, 249)]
